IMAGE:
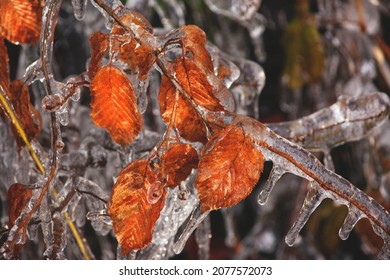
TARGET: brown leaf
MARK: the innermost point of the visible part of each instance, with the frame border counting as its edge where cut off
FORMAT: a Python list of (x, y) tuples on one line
[(4, 67), (17, 198), (194, 82), (21, 20), (29, 117), (99, 46), (133, 216), (114, 105), (229, 168), (195, 41), (186, 119), (19, 97), (139, 58), (177, 163)]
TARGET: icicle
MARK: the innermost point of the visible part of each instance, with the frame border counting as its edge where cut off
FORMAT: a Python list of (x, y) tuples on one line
[(196, 218), (353, 216), (313, 199), (203, 236), (79, 8), (275, 175), (231, 238)]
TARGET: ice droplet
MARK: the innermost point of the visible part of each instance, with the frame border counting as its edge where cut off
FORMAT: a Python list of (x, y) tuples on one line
[(63, 115), (79, 8), (313, 199), (196, 218), (275, 175), (353, 216), (155, 192)]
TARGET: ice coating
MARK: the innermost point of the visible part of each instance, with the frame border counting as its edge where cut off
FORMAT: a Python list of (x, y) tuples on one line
[(349, 119), (196, 218), (326, 183), (228, 218)]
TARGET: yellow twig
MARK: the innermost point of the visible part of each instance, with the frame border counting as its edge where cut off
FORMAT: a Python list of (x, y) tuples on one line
[(16, 122)]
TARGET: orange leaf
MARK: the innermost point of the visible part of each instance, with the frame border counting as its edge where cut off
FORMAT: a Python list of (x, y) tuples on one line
[(186, 119), (133, 216), (140, 58), (99, 46), (228, 169), (17, 198), (114, 105), (194, 82), (20, 20), (177, 163), (195, 41)]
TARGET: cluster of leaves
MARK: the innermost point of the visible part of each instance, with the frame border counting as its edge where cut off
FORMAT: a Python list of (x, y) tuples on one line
[(194, 102)]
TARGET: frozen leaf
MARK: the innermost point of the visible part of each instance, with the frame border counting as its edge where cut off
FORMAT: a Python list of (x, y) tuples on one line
[(19, 97), (17, 198), (29, 117), (186, 119), (99, 47), (141, 58), (20, 20), (195, 41), (194, 82), (133, 216), (177, 163), (114, 105), (229, 168)]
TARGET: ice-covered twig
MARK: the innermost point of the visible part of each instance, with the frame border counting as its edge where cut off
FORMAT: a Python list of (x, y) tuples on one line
[(325, 183), (349, 119)]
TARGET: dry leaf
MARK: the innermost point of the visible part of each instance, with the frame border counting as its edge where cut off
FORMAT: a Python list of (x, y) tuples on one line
[(229, 168), (186, 119), (29, 117), (20, 20), (17, 198), (19, 97), (177, 163), (99, 46), (194, 82), (133, 216), (139, 58), (114, 105)]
